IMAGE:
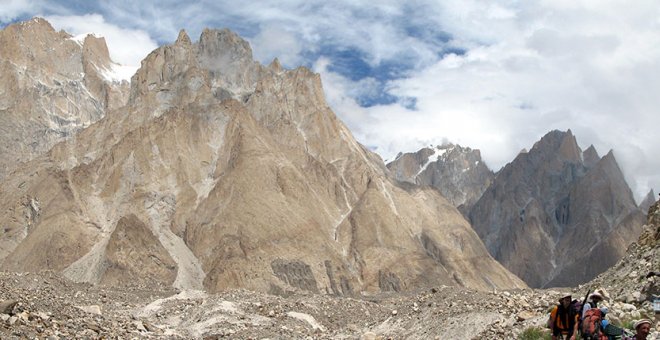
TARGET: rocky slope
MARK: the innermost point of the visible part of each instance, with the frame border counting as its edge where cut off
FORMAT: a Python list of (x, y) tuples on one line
[(457, 172), (52, 85), (635, 279), (222, 173), (48, 305), (551, 201), (647, 202)]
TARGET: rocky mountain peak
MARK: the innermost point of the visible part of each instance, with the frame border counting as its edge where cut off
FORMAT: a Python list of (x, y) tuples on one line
[(53, 86), (219, 65), (275, 66), (96, 49), (608, 167), (549, 201), (169, 77), (33, 45), (590, 156), (556, 148), (552, 139), (34, 26), (569, 149), (183, 38), (228, 58), (223, 44), (221, 173), (457, 172), (610, 156), (648, 201)]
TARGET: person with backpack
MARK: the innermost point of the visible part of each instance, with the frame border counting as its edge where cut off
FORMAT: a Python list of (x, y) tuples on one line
[(563, 319), (594, 299), (590, 324), (592, 302), (610, 331)]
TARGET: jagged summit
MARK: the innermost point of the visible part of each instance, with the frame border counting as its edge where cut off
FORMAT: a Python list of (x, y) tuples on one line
[(96, 51), (457, 172), (36, 24), (562, 146), (52, 86), (537, 208), (275, 65), (219, 65), (590, 156), (648, 201), (183, 38), (551, 200), (223, 173)]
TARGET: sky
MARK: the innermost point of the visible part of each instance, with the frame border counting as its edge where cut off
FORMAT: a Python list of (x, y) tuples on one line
[(490, 75)]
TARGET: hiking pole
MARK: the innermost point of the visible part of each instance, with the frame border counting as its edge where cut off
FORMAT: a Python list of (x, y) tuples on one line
[(586, 297), (579, 322)]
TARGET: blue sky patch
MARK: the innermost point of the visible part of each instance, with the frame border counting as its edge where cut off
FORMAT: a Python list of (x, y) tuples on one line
[(352, 64)]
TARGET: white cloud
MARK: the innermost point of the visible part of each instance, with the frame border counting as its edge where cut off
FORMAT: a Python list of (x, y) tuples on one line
[(528, 67), (274, 41), (592, 69), (126, 46), (12, 9)]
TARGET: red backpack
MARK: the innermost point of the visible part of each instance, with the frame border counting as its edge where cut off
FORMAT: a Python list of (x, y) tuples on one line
[(591, 325)]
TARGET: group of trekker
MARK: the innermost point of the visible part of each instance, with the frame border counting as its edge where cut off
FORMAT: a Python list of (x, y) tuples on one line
[(572, 317)]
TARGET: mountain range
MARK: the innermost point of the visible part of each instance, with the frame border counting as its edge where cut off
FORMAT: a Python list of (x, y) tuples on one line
[(554, 216), (457, 172), (209, 171)]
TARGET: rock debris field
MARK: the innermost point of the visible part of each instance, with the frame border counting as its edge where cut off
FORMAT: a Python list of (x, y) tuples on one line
[(48, 306)]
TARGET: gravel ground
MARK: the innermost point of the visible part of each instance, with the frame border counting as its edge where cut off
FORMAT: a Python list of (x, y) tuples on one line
[(48, 306)]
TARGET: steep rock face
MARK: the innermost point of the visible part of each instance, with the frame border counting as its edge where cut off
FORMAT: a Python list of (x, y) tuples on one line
[(634, 279), (134, 252), (647, 202), (651, 232), (549, 203), (457, 172), (246, 178), (51, 86)]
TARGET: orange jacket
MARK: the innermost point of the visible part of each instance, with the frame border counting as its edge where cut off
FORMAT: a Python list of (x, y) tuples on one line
[(558, 322)]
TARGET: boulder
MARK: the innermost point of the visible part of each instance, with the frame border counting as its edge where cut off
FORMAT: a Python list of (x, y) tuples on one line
[(7, 307)]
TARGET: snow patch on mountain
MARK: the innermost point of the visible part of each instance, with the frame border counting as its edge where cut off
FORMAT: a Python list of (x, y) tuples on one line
[(118, 73)]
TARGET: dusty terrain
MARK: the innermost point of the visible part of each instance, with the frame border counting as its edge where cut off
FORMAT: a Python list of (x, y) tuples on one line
[(51, 307)]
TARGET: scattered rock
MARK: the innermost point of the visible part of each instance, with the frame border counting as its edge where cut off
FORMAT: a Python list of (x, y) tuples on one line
[(139, 326), (525, 315), (94, 309), (7, 307), (12, 320)]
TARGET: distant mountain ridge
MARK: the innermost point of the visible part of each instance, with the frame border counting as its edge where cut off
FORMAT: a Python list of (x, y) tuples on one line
[(540, 212), (219, 173), (556, 216), (457, 172)]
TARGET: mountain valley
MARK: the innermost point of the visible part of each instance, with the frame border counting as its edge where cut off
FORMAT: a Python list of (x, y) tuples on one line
[(215, 197)]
